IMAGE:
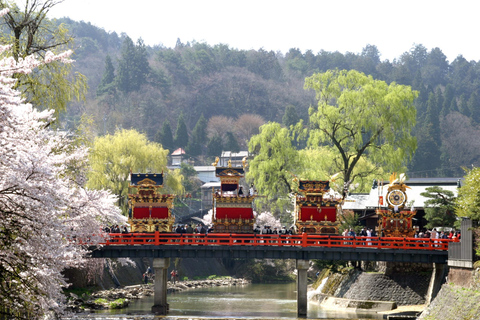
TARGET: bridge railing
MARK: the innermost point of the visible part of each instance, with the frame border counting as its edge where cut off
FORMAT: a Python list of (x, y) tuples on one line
[(259, 240)]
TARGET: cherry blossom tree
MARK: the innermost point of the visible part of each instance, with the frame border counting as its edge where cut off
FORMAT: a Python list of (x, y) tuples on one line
[(45, 212)]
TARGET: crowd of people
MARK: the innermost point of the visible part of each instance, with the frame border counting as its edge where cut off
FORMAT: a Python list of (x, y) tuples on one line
[(433, 234), (188, 228), (438, 234), (348, 232), (269, 230), (116, 229)]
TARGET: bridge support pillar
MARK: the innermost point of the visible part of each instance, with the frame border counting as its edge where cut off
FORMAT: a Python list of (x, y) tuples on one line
[(160, 306), (302, 267)]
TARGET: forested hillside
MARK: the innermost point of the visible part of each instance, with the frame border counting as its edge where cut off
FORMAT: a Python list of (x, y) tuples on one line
[(208, 97)]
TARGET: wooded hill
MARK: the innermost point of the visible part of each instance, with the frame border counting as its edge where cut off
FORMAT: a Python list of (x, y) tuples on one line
[(164, 92)]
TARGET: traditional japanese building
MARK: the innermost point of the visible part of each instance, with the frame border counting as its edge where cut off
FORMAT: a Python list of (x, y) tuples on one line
[(149, 210), (316, 208), (232, 206)]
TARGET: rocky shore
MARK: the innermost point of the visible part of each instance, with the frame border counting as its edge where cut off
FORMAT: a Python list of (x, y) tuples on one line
[(120, 297)]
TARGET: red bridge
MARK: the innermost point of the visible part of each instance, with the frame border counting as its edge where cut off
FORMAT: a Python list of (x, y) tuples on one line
[(268, 246), (273, 240)]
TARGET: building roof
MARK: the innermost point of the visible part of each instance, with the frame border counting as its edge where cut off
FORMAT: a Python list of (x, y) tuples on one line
[(178, 152), (211, 185), (356, 201), (204, 168), (230, 154)]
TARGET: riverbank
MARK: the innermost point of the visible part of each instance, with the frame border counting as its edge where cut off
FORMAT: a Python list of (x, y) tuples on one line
[(454, 302), (117, 298)]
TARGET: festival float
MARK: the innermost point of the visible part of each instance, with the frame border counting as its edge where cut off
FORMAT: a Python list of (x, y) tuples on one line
[(396, 220), (232, 206), (316, 208), (149, 210)]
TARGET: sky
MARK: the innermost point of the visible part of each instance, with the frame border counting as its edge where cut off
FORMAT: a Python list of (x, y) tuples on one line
[(335, 25)]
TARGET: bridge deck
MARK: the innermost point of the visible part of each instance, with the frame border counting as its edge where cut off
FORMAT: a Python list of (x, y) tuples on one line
[(304, 246)]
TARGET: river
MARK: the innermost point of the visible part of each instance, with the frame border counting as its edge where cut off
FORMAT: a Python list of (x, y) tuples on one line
[(252, 301)]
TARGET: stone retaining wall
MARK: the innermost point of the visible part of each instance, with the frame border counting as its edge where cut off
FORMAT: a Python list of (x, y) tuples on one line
[(404, 289)]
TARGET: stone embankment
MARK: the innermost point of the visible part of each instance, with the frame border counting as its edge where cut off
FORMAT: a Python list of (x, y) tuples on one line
[(458, 298), (385, 288), (103, 299), (453, 302)]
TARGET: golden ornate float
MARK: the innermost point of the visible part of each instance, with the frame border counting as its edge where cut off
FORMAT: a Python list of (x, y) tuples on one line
[(396, 220), (149, 210)]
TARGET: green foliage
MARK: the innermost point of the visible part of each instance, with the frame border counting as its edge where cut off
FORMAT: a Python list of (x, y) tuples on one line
[(439, 208), (215, 146), (198, 137), (362, 117), (101, 301), (125, 72), (290, 117), (231, 143), (107, 85), (133, 67), (468, 201), (275, 165), (118, 303), (165, 137), (181, 133), (113, 157)]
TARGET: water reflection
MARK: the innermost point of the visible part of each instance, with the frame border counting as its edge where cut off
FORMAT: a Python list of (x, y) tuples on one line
[(254, 301)]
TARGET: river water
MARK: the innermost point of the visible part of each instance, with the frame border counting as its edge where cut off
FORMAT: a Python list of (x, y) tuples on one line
[(252, 301)]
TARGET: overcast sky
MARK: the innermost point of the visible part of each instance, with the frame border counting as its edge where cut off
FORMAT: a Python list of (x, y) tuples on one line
[(335, 25)]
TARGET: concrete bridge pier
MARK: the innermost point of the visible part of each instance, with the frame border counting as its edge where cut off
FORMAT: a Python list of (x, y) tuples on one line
[(302, 302), (160, 266)]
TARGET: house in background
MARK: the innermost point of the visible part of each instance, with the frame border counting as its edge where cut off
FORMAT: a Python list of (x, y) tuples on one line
[(178, 156), (235, 158)]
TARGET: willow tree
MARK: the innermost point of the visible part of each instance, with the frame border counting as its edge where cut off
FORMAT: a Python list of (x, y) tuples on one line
[(468, 201), (112, 157), (361, 117), (275, 165)]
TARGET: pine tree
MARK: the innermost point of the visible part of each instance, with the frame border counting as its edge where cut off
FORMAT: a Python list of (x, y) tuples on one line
[(290, 117), (473, 105), (215, 146), (141, 68), (198, 138), (107, 83), (181, 134), (231, 143), (165, 137), (124, 75)]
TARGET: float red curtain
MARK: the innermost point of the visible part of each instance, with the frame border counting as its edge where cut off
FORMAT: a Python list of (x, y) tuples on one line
[(234, 213), (160, 213), (141, 213), (312, 213)]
